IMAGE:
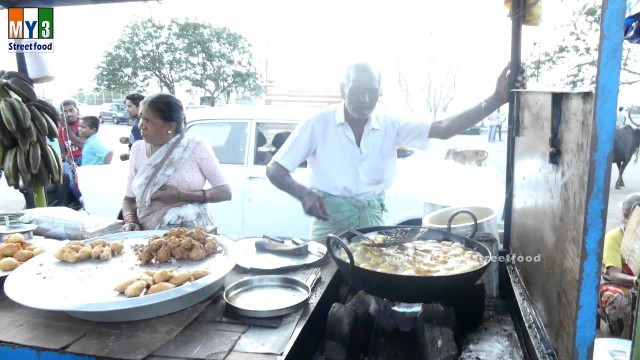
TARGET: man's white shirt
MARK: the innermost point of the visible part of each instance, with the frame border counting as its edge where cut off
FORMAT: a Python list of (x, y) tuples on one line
[(337, 165)]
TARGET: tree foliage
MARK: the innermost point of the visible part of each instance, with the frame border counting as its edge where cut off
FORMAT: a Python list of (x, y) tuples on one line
[(571, 58), (215, 60), (218, 61)]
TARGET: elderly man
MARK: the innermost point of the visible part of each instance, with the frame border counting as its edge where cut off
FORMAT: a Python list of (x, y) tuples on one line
[(352, 152)]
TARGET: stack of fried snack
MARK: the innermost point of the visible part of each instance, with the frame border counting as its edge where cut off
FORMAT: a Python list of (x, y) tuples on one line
[(15, 250), (179, 243), (25, 121), (158, 281), (75, 251)]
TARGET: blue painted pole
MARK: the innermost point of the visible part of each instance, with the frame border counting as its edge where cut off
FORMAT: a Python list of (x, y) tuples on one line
[(604, 119)]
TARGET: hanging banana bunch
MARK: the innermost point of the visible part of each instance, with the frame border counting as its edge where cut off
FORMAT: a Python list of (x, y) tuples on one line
[(25, 122)]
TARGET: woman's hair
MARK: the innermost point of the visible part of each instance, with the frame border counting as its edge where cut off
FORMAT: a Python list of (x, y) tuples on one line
[(167, 107)]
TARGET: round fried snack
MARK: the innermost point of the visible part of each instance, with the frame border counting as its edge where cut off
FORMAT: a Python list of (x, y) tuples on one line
[(23, 255), (15, 238), (95, 243), (9, 264), (105, 254), (124, 285), (162, 276), (159, 287), (85, 252), (8, 249), (96, 251), (37, 251), (116, 247), (135, 289), (180, 278), (197, 274)]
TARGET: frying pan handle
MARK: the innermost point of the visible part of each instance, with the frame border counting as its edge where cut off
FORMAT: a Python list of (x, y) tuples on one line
[(334, 239), (473, 216)]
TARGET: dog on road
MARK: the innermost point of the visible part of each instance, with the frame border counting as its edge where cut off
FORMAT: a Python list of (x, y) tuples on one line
[(467, 157)]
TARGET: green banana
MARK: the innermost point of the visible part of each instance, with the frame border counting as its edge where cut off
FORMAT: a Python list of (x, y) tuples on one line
[(38, 120), (31, 133), (43, 176), (59, 169), (49, 109), (7, 165), (7, 140), (52, 128), (16, 74), (21, 112), (34, 158), (8, 117), (22, 165), (21, 88), (46, 157)]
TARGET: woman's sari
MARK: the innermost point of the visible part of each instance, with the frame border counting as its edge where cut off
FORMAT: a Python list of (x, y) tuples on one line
[(153, 175), (615, 305)]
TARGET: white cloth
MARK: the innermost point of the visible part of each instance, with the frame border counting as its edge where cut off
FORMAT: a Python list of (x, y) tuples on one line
[(338, 166)]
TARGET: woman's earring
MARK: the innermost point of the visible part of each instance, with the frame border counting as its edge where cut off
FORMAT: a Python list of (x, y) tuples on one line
[(168, 131)]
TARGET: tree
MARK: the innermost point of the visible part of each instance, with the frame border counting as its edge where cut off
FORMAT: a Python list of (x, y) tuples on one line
[(218, 61), (572, 59), (147, 50)]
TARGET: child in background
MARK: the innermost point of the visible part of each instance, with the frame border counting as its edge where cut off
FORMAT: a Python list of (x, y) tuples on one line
[(93, 152)]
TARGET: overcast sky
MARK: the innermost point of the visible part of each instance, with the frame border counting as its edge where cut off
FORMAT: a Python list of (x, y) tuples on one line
[(307, 44)]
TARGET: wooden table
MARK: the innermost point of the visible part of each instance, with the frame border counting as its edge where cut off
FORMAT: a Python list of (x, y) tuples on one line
[(198, 332)]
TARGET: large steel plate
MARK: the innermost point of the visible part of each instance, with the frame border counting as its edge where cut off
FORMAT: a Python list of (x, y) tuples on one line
[(251, 259), (85, 289)]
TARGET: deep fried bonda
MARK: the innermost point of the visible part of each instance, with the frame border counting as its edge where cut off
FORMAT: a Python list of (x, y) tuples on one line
[(9, 264), (164, 254), (159, 287)]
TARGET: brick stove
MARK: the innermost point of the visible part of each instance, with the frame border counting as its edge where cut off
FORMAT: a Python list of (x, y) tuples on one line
[(367, 327)]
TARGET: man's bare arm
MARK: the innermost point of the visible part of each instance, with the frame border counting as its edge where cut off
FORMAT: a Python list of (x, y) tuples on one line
[(312, 203)]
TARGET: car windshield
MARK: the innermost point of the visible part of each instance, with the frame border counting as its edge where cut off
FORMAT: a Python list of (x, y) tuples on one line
[(118, 107)]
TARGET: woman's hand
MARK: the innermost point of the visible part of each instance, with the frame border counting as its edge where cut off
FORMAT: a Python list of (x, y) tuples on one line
[(130, 227), (168, 194), (124, 140)]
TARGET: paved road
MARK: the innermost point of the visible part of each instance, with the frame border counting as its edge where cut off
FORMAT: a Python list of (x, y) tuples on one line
[(11, 199)]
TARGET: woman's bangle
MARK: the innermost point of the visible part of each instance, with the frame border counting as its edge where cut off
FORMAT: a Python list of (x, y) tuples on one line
[(130, 219), (204, 196)]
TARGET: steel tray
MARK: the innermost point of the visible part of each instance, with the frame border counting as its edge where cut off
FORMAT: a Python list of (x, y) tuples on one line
[(85, 289)]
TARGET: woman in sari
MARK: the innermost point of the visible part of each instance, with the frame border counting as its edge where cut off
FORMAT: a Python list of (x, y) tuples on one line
[(618, 279), (168, 170)]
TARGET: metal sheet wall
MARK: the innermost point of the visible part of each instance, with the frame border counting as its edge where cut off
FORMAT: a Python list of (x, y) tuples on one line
[(549, 205)]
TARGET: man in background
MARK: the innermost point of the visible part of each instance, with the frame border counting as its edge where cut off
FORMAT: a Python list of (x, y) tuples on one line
[(71, 143), (132, 101)]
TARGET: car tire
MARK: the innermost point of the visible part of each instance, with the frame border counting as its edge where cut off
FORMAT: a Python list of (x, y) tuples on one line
[(101, 120)]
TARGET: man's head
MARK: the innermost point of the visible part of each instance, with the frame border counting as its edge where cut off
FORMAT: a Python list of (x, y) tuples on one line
[(132, 102), (621, 108), (70, 111), (88, 126), (629, 203), (360, 90)]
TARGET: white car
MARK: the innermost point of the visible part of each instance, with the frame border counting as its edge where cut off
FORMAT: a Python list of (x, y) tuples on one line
[(244, 138)]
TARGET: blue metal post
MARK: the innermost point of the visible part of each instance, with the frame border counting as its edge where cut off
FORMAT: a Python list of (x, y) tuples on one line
[(604, 114)]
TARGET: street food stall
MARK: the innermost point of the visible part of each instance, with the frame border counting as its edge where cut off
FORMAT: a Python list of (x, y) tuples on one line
[(559, 149)]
